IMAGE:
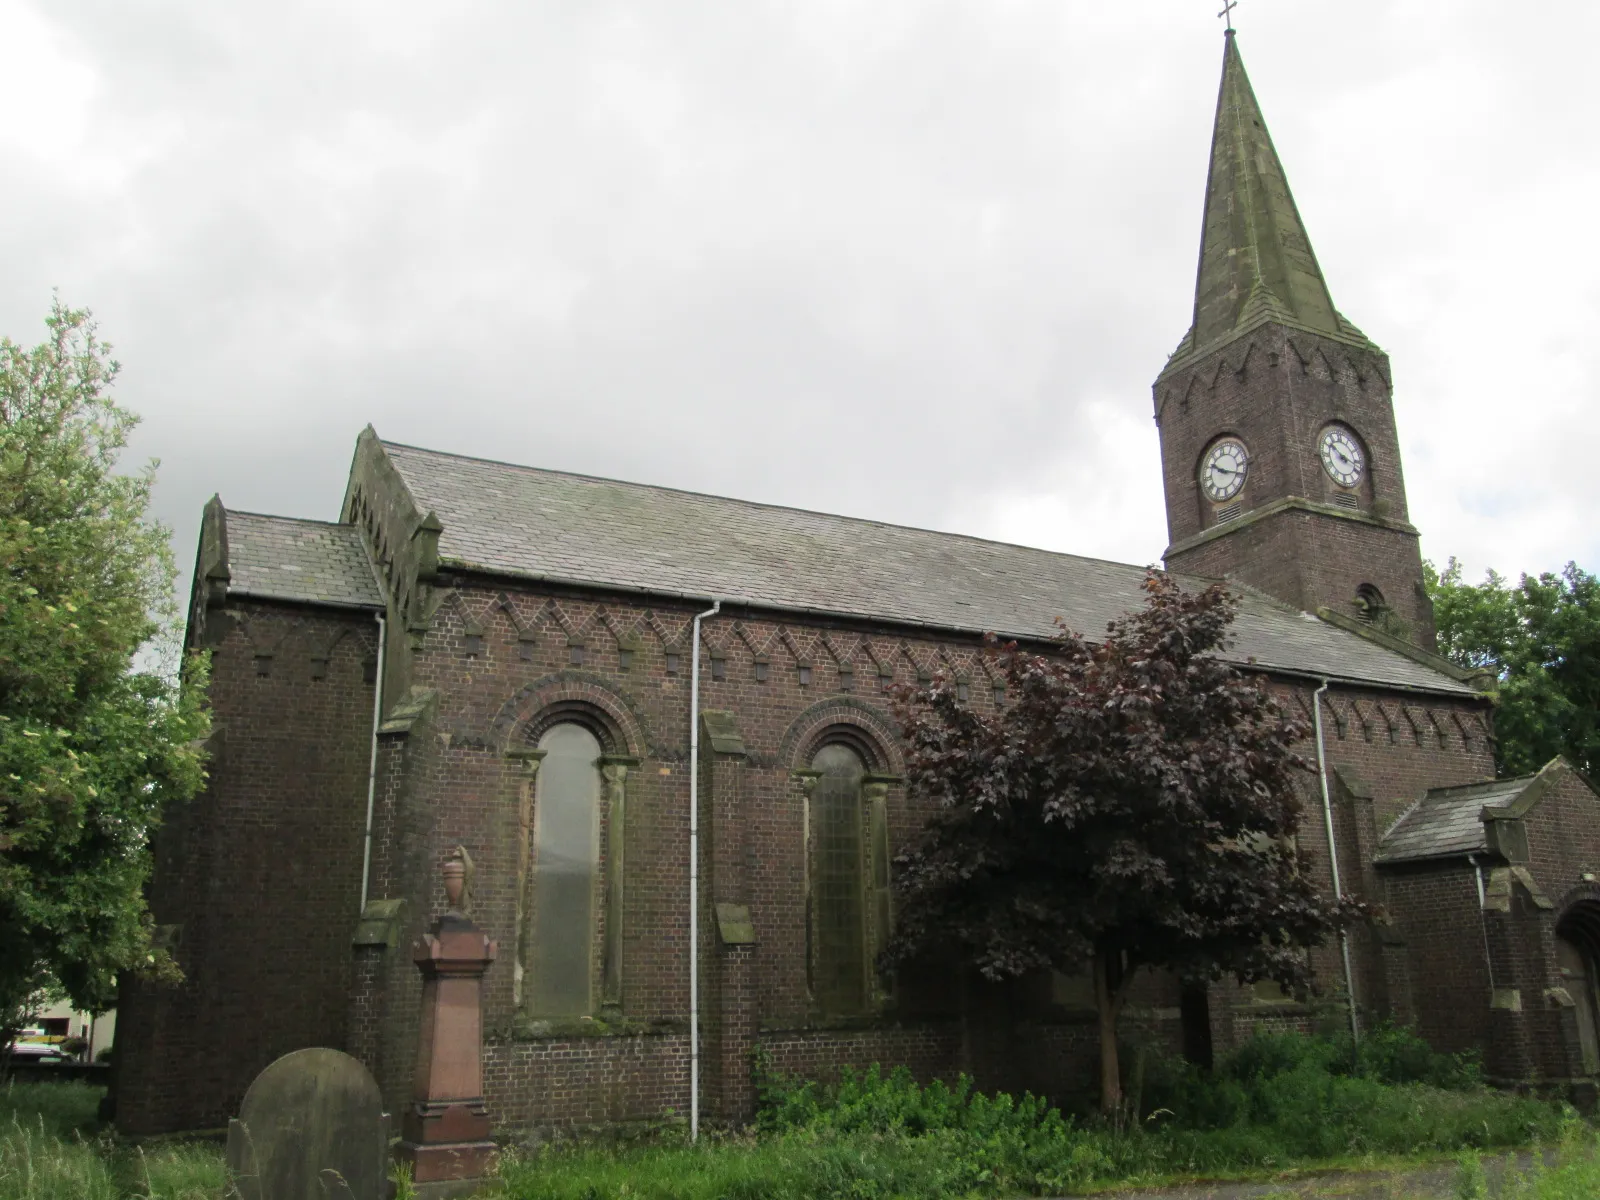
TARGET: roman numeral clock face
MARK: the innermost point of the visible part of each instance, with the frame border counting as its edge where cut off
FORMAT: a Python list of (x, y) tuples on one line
[(1341, 457), (1223, 471)]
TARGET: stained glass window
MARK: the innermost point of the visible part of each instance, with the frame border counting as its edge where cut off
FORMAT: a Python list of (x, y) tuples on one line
[(567, 858), (838, 899)]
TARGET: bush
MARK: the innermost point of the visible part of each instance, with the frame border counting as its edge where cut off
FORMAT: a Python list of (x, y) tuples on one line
[(1276, 1102), (1277, 1099), (1248, 1083), (973, 1142), (1395, 1054)]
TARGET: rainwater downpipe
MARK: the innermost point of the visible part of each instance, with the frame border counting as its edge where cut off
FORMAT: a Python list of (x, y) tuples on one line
[(372, 762), (1483, 919), (694, 871), (1333, 858)]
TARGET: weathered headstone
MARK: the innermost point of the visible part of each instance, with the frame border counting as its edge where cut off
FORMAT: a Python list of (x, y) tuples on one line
[(312, 1127)]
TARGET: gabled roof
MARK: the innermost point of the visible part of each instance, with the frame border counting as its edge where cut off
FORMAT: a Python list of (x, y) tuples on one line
[(287, 558), (1451, 822), (1256, 260), (1448, 822), (511, 520)]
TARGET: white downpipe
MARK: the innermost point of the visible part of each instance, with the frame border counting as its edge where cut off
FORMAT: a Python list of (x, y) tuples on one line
[(1333, 858), (372, 762), (1483, 919), (694, 872)]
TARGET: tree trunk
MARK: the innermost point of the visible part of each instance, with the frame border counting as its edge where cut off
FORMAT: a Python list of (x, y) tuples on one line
[(1107, 1001)]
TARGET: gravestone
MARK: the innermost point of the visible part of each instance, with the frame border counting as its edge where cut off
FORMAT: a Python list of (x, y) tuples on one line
[(312, 1127), (446, 1126)]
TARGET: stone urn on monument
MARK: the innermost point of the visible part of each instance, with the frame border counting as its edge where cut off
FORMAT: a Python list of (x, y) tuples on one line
[(445, 1129)]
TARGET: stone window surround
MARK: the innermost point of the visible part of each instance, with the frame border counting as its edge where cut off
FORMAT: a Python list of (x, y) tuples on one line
[(614, 769), (877, 897)]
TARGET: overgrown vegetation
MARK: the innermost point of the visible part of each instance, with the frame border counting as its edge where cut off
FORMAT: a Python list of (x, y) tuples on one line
[(1278, 1101), (51, 1148), (1577, 1177)]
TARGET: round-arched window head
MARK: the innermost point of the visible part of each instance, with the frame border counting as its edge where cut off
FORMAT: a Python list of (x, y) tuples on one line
[(1341, 456), (1223, 469), (1370, 602)]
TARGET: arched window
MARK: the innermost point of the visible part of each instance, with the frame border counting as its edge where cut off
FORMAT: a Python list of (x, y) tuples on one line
[(1577, 937), (1370, 604), (565, 856), (838, 892)]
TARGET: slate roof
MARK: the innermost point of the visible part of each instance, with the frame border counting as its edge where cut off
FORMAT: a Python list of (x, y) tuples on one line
[(576, 529), (286, 558), (1447, 822)]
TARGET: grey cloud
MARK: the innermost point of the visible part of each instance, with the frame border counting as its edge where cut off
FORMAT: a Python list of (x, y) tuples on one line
[(905, 260)]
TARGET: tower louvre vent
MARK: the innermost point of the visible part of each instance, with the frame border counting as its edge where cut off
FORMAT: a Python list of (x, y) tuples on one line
[(1230, 512), (1345, 500)]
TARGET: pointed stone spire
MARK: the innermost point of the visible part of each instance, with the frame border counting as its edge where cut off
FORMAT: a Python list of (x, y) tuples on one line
[(1256, 262)]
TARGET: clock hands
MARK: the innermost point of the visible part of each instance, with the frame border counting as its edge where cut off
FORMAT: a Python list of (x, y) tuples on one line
[(1341, 457), (1224, 470)]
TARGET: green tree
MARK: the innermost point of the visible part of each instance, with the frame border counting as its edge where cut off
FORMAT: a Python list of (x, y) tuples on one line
[(1541, 639), (93, 745), (1133, 804)]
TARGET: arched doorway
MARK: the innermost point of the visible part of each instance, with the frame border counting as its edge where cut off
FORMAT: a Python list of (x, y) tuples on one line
[(1578, 961)]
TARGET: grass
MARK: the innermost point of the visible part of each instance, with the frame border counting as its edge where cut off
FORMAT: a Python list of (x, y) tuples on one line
[(1577, 1177), (1277, 1103), (51, 1148)]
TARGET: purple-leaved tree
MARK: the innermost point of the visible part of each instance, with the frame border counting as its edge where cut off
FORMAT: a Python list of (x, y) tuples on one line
[(1132, 804)]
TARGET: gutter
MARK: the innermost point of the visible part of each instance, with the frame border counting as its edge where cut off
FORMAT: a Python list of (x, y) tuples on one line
[(1333, 859)]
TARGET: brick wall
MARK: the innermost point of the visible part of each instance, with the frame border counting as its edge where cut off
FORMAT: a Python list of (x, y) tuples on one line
[(1277, 390), (260, 874), (263, 872), (500, 659), (591, 1081), (1484, 976), (1436, 914)]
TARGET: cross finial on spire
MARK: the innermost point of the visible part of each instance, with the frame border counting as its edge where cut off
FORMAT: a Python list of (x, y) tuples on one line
[(1227, 12)]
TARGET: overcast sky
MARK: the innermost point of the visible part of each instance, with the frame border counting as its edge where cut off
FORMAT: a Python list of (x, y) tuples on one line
[(917, 260)]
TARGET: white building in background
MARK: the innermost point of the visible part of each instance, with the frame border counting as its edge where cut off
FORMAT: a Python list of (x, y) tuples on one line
[(59, 1022)]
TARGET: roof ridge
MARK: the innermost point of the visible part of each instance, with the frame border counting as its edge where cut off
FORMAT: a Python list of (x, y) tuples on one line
[(899, 574), (1401, 819), (1478, 679), (810, 512), (1464, 790), (246, 512)]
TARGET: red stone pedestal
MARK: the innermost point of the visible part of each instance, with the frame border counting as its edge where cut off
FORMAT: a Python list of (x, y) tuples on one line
[(445, 1129)]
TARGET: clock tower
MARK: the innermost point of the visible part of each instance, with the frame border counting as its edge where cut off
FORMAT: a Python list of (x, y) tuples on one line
[(1278, 445)]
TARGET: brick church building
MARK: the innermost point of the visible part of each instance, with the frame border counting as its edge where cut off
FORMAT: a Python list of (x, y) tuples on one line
[(497, 657)]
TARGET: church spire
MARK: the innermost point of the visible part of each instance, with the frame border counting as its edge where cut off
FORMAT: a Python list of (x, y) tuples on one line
[(1256, 262)]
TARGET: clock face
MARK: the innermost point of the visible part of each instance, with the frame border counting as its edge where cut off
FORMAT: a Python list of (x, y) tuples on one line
[(1222, 473), (1341, 457)]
